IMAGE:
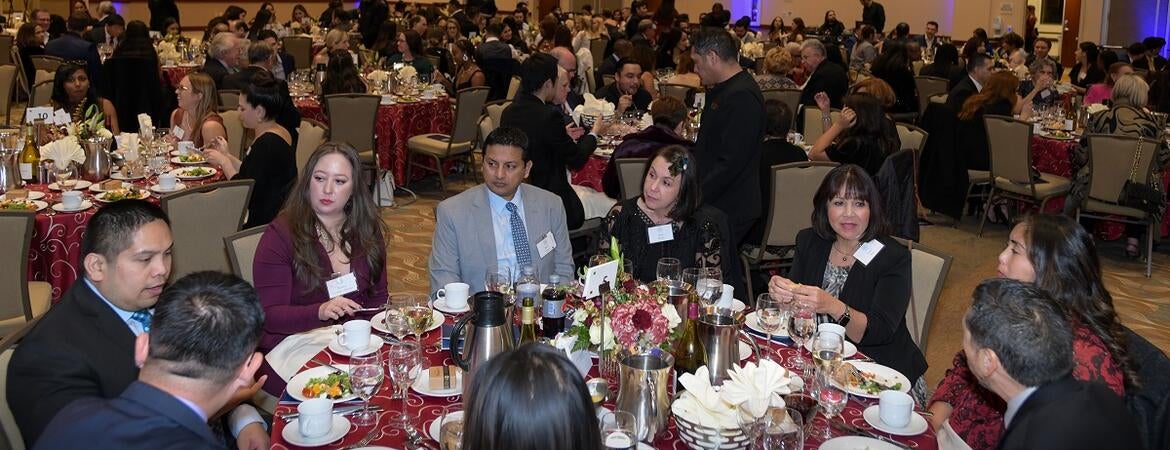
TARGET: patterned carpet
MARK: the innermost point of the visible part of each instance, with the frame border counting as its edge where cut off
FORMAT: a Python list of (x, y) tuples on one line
[(1143, 303)]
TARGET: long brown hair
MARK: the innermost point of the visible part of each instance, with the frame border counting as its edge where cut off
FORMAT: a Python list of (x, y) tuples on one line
[(362, 233), (202, 83), (1000, 86)]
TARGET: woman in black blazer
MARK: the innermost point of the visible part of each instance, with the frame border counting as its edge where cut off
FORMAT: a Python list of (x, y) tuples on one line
[(854, 274)]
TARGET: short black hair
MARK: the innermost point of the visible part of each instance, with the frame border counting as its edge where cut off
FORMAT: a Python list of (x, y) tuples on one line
[(115, 19), (977, 60), (111, 229), (744, 22), (1154, 43), (266, 91), (622, 63), (779, 118), (718, 40), (933, 23), (205, 326), (511, 137), (851, 182), (494, 29), (78, 21), (1025, 328), (537, 70), (684, 165), (265, 34)]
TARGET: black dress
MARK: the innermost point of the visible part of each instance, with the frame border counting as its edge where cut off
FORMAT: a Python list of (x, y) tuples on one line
[(1093, 76), (272, 163), (971, 135), (698, 242), (864, 151)]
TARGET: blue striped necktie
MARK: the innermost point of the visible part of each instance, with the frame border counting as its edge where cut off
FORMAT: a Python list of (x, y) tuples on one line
[(519, 237)]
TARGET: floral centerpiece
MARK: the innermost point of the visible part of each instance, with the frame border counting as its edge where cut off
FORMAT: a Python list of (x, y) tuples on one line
[(91, 124), (407, 73), (167, 52), (752, 50)]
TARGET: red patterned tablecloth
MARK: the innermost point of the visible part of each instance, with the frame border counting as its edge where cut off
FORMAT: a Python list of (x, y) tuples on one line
[(55, 253), (173, 75), (427, 409), (394, 125), (591, 173)]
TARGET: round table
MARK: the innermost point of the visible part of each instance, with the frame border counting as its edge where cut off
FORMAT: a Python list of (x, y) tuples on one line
[(428, 409), (590, 174)]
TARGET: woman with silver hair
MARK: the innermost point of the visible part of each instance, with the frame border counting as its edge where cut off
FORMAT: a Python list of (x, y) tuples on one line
[(1042, 76)]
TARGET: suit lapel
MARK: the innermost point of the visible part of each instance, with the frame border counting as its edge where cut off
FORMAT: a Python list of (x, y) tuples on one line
[(105, 321), (485, 234)]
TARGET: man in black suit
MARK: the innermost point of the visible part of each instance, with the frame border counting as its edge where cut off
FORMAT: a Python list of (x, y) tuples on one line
[(626, 91), (644, 38), (638, 11), (552, 147), (466, 25), (108, 33), (261, 59), (200, 349), (826, 76), (930, 40), (285, 63), (978, 70), (571, 97), (492, 47), (72, 47), (1019, 345), (873, 13), (224, 57), (84, 346), (622, 48)]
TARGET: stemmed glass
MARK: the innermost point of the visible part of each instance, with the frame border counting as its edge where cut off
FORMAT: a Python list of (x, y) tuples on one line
[(404, 365), (669, 271), (498, 279), (830, 397), (63, 175), (771, 314), (749, 424), (451, 428), (803, 325), (827, 347), (782, 429), (365, 378)]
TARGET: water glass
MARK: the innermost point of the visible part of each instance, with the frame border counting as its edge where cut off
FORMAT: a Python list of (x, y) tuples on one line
[(669, 271), (619, 431), (830, 397), (63, 175), (781, 429), (801, 329), (750, 424), (404, 366), (365, 378), (498, 278), (709, 287), (451, 428), (771, 314)]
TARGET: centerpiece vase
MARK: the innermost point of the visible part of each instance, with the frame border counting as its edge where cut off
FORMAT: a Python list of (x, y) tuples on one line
[(97, 163), (644, 390)]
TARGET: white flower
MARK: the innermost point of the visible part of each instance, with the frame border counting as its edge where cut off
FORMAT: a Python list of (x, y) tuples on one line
[(671, 315), (104, 133), (579, 316), (378, 75), (595, 335), (407, 72)]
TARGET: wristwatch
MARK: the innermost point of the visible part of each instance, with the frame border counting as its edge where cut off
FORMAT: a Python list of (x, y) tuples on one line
[(844, 319)]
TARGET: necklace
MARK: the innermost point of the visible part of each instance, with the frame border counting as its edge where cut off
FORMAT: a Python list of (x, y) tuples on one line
[(845, 255)]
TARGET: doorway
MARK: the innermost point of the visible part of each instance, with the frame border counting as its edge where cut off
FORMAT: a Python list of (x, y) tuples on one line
[(1070, 36)]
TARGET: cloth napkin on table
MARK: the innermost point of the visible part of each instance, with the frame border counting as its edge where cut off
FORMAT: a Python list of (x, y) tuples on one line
[(701, 403), (145, 123), (581, 358), (63, 151), (757, 386), (128, 145), (593, 107), (291, 354)]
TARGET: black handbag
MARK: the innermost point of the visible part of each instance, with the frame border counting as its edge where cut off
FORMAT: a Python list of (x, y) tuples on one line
[(1144, 196)]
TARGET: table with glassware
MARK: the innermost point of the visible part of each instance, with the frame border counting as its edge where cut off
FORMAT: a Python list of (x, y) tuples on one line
[(173, 74)]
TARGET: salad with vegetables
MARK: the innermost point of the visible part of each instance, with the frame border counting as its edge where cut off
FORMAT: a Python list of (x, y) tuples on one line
[(332, 386), (17, 205)]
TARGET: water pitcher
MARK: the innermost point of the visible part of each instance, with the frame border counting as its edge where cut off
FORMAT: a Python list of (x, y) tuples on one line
[(97, 160), (720, 335), (9, 174), (644, 391)]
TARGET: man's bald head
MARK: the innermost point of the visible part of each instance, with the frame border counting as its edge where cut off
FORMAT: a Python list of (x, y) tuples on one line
[(565, 58)]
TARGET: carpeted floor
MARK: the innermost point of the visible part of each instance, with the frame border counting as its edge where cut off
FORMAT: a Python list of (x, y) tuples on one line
[(1143, 303)]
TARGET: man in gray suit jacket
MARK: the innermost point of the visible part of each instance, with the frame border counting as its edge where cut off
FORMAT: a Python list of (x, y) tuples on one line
[(501, 222)]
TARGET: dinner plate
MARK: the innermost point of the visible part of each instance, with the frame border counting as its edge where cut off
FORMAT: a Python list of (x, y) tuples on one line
[(85, 204), (97, 187), (158, 188), (856, 443), (101, 197), (850, 349), (422, 385), (299, 380), (441, 305), (37, 203), (32, 195), (882, 374), (433, 429), (179, 160), (753, 323), (81, 184), (1059, 138), (292, 433), (120, 176), (437, 319), (182, 173), (375, 344), (916, 426)]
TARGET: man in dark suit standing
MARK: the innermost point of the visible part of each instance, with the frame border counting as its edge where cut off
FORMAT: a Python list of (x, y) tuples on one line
[(224, 57), (261, 59), (554, 145), (72, 47), (200, 349), (874, 14), (978, 69), (109, 32), (1019, 345), (84, 346), (466, 25), (826, 76)]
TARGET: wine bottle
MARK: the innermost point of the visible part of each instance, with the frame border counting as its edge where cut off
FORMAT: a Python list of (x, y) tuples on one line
[(30, 157), (688, 350), (552, 317), (527, 321)]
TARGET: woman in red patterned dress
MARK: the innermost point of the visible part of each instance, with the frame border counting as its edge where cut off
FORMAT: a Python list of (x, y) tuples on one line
[(1058, 255)]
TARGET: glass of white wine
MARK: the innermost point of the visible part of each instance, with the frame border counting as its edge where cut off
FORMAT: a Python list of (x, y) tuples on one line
[(827, 347)]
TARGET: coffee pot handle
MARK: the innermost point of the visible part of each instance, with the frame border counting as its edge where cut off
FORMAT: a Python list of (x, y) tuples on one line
[(457, 331)]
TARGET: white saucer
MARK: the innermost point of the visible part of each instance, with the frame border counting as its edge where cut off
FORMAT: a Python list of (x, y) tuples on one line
[(433, 429), (850, 348), (85, 204), (916, 426), (745, 351), (81, 184), (856, 442), (441, 305), (158, 188), (292, 433), (32, 195), (375, 344), (422, 385), (120, 176)]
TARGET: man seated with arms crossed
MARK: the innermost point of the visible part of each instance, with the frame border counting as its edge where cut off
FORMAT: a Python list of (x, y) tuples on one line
[(503, 222), (1019, 346), (200, 349), (626, 91), (84, 346)]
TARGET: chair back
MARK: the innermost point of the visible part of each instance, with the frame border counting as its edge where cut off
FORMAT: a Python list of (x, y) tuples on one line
[(200, 218), (927, 87), (42, 93), (7, 84), (1111, 159), (434, 59), (929, 269), (590, 80), (813, 128), (468, 107), (241, 249), (790, 97), (16, 232), (498, 73), (496, 109), (6, 47), (790, 211), (235, 132), (311, 134), (13, 440), (679, 91), (1008, 142), (301, 49), (42, 75), (229, 99), (607, 80), (46, 62), (912, 137), (629, 172), (597, 48), (352, 118), (513, 87)]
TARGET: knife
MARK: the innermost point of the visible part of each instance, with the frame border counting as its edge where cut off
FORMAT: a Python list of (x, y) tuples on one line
[(446, 377), (858, 431), (344, 411)]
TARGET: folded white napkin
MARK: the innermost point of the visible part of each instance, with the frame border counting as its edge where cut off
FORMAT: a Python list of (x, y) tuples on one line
[(593, 106), (294, 351), (128, 145), (63, 151), (378, 75), (702, 403), (145, 123), (757, 386), (1095, 108)]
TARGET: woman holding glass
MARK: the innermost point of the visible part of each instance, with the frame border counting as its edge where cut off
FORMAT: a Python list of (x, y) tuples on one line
[(329, 229), (196, 116), (853, 274)]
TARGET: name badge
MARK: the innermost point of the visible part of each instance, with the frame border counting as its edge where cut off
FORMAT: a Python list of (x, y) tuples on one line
[(1045, 93), (546, 245), (660, 233), (178, 132), (341, 285), (867, 251)]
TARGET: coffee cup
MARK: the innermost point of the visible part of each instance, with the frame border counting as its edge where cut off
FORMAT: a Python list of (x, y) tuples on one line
[(71, 199), (832, 328), (316, 417), (168, 181), (726, 297), (186, 147), (454, 294), (894, 408), (355, 335)]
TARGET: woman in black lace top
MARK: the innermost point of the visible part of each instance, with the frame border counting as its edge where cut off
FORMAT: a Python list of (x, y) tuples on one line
[(667, 220)]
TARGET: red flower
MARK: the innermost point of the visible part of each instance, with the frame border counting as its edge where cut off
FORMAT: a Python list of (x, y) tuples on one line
[(642, 319)]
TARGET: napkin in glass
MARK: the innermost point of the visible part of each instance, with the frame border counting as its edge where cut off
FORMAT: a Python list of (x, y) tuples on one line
[(63, 151)]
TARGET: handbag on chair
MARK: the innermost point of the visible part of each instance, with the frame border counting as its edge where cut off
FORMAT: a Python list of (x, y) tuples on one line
[(1144, 196)]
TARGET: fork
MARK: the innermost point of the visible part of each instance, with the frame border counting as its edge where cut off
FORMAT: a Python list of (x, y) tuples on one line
[(365, 440)]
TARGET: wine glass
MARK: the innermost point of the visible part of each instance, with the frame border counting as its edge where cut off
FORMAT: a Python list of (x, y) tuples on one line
[(830, 397), (365, 378), (709, 286), (498, 278), (770, 314), (782, 429), (619, 431), (64, 175), (804, 324), (749, 424), (827, 347), (451, 428), (669, 271), (404, 366)]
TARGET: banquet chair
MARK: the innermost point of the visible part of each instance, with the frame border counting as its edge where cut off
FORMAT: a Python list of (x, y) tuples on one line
[(301, 49), (916, 66), (23, 301), (6, 41), (912, 137), (8, 80), (42, 92), (679, 91), (607, 80), (629, 172), (22, 82), (311, 134), (1111, 158), (12, 439), (46, 62), (789, 212), (929, 269), (200, 218), (229, 99), (790, 97), (513, 87), (490, 120), (458, 144), (590, 80), (597, 48), (1008, 142), (351, 120), (235, 132), (241, 250), (927, 87), (813, 128)]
